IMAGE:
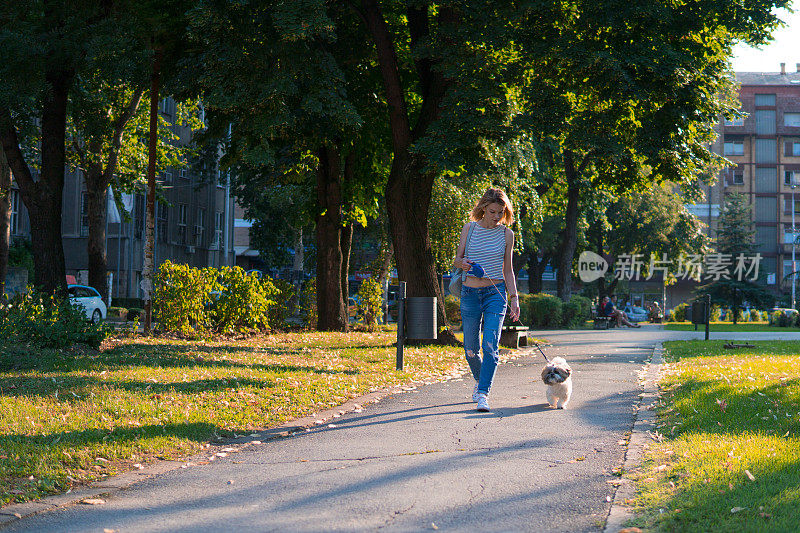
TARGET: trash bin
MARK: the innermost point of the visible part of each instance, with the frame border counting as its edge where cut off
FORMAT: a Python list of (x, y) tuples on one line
[(420, 317)]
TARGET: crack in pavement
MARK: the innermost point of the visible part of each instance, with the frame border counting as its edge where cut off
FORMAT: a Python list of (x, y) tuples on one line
[(394, 515)]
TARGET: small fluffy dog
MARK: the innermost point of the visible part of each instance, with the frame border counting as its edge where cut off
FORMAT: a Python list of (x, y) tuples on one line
[(556, 375)]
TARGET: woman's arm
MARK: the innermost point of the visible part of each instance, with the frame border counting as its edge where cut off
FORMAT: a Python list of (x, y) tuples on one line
[(459, 261), (508, 267), (508, 274)]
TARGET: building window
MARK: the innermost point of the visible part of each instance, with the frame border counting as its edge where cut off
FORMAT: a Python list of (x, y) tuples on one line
[(182, 224), (766, 208), (162, 220), (787, 206), (791, 119), (765, 122), (737, 176), (734, 148), (182, 174), (169, 107), (218, 228), (766, 150), (200, 226), (14, 201), (735, 121), (138, 217), (166, 176), (84, 231), (790, 177), (766, 100), (789, 236)]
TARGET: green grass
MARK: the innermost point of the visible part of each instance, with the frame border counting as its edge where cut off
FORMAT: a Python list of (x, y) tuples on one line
[(725, 414), (729, 327), (71, 416)]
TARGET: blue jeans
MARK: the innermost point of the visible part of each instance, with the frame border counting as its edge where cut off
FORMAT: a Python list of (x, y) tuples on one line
[(488, 303)]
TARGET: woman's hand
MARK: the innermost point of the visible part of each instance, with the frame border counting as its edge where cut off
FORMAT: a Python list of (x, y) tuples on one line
[(513, 309), (464, 264)]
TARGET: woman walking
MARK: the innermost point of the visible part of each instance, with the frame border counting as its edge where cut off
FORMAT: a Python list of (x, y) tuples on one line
[(484, 253)]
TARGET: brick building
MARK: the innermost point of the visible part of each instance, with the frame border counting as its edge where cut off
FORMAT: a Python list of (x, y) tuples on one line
[(765, 147)]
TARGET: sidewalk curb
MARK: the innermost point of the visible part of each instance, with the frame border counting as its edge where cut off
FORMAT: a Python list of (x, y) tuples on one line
[(641, 436), (111, 485)]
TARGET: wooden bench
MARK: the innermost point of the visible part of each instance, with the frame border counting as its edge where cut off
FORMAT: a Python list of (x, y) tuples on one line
[(603, 322), (514, 336)]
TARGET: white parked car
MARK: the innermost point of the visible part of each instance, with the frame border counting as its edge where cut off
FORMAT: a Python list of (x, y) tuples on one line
[(636, 314), (87, 297)]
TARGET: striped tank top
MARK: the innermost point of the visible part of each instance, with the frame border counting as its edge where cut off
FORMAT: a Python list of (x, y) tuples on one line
[(487, 247)]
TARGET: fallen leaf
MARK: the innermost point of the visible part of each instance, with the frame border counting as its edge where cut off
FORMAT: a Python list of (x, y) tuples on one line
[(750, 476), (93, 501), (737, 509)]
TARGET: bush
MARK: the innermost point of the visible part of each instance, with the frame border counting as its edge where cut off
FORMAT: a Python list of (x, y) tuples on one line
[(370, 301), (182, 296), (576, 311), (452, 308), (755, 315), (668, 316), (285, 303), (679, 313), (135, 313), (308, 303), (774, 317), (784, 321), (117, 312), (716, 313), (525, 315), (47, 321), (546, 311), (244, 302)]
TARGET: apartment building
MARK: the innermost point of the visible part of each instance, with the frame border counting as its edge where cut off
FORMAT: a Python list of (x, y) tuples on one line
[(765, 149), (195, 225)]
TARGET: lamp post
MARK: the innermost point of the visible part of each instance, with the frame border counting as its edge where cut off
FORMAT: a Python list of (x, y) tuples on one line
[(794, 268)]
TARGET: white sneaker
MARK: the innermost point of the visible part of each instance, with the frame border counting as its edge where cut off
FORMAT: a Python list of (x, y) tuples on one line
[(483, 402), (475, 392)]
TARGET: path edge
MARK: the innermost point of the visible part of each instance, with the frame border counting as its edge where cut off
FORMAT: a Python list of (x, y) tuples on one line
[(641, 434)]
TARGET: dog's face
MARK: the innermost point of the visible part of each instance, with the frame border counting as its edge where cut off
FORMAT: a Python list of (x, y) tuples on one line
[(557, 371)]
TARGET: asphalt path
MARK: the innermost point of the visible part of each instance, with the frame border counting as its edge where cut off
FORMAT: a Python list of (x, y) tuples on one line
[(416, 461)]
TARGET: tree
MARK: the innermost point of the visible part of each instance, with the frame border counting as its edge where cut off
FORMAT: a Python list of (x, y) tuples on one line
[(108, 127), (653, 223), (287, 95), (620, 94), (5, 219), (442, 73), (47, 46), (734, 237)]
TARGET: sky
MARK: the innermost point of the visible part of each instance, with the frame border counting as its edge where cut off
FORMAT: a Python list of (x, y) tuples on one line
[(785, 48)]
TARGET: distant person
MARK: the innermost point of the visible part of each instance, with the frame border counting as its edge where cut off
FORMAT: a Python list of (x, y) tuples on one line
[(620, 315), (605, 307), (486, 242), (656, 313)]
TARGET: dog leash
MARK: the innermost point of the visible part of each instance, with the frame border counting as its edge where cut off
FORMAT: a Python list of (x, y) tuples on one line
[(505, 300)]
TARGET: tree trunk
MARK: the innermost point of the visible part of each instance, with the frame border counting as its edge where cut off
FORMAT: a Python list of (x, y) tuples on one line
[(97, 181), (331, 315), (347, 241), (149, 248), (535, 273), (569, 235), (5, 219), (408, 191), (44, 198), (297, 262), (97, 207)]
